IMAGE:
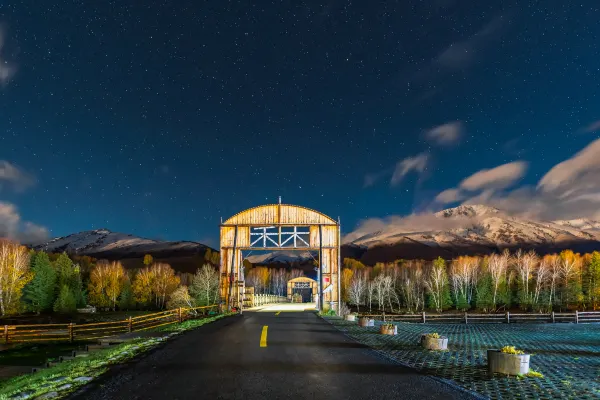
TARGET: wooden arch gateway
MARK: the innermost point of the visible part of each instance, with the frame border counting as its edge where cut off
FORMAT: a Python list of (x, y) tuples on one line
[(276, 227)]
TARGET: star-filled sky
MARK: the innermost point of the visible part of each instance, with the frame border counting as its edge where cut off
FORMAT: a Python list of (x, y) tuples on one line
[(159, 118)]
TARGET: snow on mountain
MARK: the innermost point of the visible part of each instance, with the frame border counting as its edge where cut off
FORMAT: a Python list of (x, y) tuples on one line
[(281, 257), (104, 243), (468, 229)]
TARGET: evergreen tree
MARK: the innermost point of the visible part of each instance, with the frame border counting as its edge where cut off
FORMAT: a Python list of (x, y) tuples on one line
[(40, 293), (594, 280), (69, 275), (66, 302), (485, 293), (126, 299)]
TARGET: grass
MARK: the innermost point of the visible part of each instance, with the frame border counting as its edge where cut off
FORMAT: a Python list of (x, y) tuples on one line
[(32, 355), (63, 377)]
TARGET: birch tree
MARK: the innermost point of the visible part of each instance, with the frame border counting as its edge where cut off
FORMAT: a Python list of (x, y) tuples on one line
[(205, 286), (437, 285), (14, 275)]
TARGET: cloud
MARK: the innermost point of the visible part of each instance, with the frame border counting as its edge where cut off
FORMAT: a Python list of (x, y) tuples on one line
[(371, 179), (495, 178), (423, 222), (446, 134), (462, 54), (12, 227), (570, 189), (402, 168), (579, 171), (449, 196), (593, 127), (417, 163), (15, 177), (486, 181), (7, 70)]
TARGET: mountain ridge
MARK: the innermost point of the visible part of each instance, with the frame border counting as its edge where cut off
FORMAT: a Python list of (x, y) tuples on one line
[(467, 229)]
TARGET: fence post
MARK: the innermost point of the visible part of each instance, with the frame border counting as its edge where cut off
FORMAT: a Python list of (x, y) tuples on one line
[(71, 332), (553, 321), (129, 324), (466, 318), (423, 316), (179, 314), (508, 317), (576, 316), (6, 334), (383, 314)]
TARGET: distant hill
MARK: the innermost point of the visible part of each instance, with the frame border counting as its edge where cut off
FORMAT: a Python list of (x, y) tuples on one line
[(469, 229), (184, 256), (463, 230)]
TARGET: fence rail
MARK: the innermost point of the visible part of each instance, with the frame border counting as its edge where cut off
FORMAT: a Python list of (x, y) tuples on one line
[(578, 317), (96, 330), (256, 300)]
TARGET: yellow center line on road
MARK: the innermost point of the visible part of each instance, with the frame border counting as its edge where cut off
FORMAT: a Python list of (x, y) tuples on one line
[(263, 336), (278, 312)]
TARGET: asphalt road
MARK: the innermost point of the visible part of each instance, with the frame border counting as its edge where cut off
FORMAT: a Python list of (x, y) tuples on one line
[(304, 358)]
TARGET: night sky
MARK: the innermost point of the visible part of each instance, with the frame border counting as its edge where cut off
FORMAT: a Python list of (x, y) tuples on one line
[(159, 118)]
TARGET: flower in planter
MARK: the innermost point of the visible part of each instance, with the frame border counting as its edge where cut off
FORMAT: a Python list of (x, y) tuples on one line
[(433, 335), (511, 350)]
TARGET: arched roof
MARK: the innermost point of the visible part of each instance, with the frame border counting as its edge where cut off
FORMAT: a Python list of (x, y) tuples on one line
[(279, 214), (302, 279)]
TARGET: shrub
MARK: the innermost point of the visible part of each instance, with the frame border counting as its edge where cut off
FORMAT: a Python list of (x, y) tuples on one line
[(511, 350)]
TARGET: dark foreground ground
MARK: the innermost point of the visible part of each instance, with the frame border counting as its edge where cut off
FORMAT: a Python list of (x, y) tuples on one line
[(305, 358)]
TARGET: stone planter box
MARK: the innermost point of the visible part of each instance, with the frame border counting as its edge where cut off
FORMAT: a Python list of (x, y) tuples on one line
[(434, 344), (385, 331), (364, 322), (350, 317), (508, 364)]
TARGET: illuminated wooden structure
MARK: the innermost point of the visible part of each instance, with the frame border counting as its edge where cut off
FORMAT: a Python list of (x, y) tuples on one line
[(276, 227), (302, 282)]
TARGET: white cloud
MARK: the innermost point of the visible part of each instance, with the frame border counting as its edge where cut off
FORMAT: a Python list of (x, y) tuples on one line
[(417, 163), (423, 222), (483, 184), (495, 178), (446, 134), (12, 227), (7, 70), (449, 196), (15, 177), (570, 189), (582, 171)]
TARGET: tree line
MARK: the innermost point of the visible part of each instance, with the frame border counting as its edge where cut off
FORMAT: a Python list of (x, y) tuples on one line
[(36, 281), (269, 280), (523, 280)]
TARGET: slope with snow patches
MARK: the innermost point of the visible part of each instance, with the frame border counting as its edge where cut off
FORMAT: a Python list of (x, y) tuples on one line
[(104, 243), (471, 229)]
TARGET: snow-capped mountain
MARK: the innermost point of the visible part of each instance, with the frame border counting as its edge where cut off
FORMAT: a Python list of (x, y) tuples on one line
[(468, 229), (282, 257), (102, 243)]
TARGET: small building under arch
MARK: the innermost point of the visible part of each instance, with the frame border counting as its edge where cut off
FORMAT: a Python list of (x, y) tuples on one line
[(302, 282)]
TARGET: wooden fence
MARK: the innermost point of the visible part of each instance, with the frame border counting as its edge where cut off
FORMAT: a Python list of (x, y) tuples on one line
[(577, 317), (256, 300), (72, 332)]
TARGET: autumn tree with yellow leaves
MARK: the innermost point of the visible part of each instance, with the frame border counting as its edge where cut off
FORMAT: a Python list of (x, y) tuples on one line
[(106, 283), (155, 284), (14, 275)]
